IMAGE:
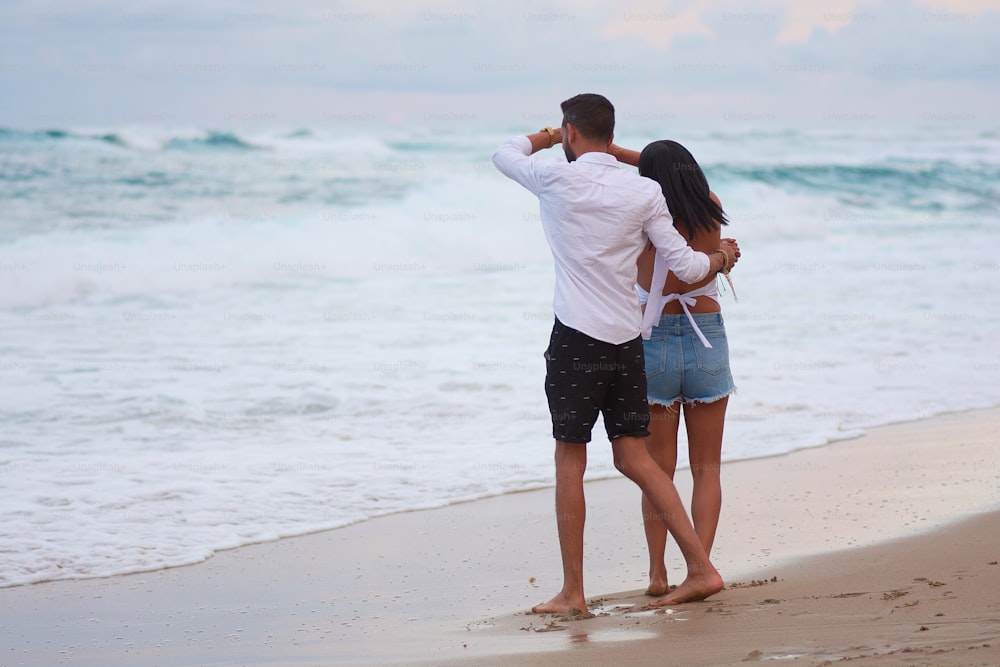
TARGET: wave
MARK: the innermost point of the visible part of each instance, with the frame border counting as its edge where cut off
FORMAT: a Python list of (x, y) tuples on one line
[(827, 175), (195, 140), (157, 140), (213, 140), (464, 223), (914, 185), (113, 138)]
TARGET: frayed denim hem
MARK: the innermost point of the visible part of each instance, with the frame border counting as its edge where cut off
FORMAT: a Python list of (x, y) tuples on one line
[(690, 401), (665, 404), (715, 399)]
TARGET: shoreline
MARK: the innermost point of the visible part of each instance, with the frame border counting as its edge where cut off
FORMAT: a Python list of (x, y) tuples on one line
[(421, 585), (547, 486)]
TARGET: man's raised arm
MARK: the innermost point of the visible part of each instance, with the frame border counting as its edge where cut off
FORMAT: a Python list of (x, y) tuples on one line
[(511, 159)]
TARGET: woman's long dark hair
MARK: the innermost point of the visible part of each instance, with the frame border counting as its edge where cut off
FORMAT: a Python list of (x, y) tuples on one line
[(684, 186)]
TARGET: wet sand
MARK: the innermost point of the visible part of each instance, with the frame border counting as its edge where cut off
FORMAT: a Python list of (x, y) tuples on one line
[(927, 600)]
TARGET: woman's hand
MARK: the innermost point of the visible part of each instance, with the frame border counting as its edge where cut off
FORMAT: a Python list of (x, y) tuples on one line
[(732, 250), (624, 155)]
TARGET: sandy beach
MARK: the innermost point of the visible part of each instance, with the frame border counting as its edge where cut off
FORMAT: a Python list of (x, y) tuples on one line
[(877, 550)]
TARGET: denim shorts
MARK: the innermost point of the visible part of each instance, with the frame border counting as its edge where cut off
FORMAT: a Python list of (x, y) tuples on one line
[(678, 365)]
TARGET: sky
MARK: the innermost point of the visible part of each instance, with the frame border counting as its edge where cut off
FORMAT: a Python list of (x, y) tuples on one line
[(445, 62)]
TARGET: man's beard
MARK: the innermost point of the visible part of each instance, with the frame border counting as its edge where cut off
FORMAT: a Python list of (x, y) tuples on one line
[(570, 155)]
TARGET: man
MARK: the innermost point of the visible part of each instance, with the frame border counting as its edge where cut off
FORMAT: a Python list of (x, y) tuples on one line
[(597, 218)]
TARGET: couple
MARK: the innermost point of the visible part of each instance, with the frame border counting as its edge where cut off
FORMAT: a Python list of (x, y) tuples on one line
[(602, 222)]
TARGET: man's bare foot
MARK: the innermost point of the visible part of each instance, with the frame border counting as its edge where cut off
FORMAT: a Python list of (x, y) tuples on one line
[(560, 604), (695, 587)]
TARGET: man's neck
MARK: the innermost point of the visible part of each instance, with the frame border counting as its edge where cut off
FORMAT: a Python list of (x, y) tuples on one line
[(590, 148)]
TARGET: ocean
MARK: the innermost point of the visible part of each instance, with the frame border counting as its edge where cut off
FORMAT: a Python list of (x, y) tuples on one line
[(216, 337)]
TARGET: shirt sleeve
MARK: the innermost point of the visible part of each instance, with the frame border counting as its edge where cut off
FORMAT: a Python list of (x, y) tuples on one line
[(672, 254), (513, 160), (687, 264)]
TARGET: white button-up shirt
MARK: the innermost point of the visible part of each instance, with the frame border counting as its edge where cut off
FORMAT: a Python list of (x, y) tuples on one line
[(597, 218)]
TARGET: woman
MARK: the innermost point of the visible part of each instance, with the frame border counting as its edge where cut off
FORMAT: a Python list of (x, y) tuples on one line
[(687, 355)]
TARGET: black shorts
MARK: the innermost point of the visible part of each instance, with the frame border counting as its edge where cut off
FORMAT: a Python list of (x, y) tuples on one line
[(584, 376)]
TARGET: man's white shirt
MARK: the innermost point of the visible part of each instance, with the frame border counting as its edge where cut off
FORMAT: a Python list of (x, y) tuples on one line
[(597, 218)]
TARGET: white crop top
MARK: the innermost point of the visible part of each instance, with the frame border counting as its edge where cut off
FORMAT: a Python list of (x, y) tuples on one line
[(652, 313)]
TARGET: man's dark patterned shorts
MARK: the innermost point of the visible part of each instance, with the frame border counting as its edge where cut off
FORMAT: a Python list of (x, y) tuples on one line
[(585, 376)]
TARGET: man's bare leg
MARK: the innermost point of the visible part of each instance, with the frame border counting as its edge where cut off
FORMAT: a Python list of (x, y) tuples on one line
[(662, 446), (702, 580), (571, 512)]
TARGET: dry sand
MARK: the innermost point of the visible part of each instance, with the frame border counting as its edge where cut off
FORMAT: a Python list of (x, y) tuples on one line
[(878, 550)]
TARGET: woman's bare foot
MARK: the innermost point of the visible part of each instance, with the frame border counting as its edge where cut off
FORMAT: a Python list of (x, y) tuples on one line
[(658, 586), (561, 604), (695, 587)]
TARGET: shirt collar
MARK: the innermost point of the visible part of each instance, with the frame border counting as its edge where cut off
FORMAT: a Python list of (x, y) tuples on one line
[(598, 157)]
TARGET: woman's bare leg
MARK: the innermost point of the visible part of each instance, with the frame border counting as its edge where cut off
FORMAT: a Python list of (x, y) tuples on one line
[(662, 447), (633, 460), (705, 423)]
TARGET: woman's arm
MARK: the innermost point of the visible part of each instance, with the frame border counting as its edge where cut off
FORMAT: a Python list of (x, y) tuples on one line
[(624, 155)]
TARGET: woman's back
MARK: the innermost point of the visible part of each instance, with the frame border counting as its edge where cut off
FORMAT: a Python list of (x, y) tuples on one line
[(704, 241)]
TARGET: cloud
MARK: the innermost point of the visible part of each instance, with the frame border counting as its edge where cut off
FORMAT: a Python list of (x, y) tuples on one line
[(99, 59), (973, 8), (802, 20), (658, 28)]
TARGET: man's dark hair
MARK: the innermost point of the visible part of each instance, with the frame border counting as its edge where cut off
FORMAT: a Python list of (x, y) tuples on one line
[(591, 114)]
